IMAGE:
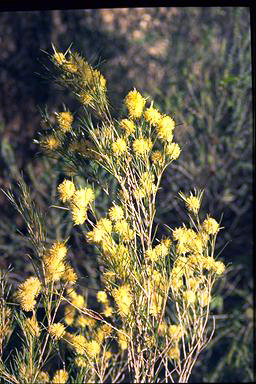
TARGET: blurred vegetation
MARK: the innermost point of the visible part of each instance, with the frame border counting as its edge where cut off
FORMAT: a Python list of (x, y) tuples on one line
[(196, 65)]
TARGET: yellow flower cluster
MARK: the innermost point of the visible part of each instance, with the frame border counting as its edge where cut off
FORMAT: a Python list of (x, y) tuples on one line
[(142, 146), (175, 332), (79, 200), (160, 251), (70, 275), (122, 227), (92, 348), (56, 330), (60, 376), (32, 326), (165, 127), (43, 377), (27, 293), (128, 126), (102, 297), (78, 342), (211, 226), (54, 262), (66, 190), (135, 103), (152, 115), (119, 147), (76, 299), (51, 142), (101, 232), (65, 120), (123, 299), (79, 204), (173, 151), (192, 202), (116, 213)]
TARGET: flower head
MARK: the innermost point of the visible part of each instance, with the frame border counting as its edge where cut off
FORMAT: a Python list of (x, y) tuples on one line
[(119, 147), (211, 226), (27, 292), (60, 376), (65, 120), (142, 146), (116, 213), (152, 115), (123, 299), (102, 297), (128, 126), (173, 151), (135, 103), (66, 190), (56, 330), (165, 127), (92, 348), (32, 326)]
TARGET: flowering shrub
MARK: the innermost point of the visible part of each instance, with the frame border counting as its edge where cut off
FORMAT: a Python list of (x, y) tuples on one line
[(155, 306)]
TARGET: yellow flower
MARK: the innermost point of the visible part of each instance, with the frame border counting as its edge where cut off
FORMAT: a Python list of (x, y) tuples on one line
[(83, 197), (174, 353), (56, 330), (165, 127), (173, 151), (65, 120), (70, 275), (211, 226), (59, 58), (69, 314), (147, 183), (54, 262), (51, 142), (123, 341), (66, 190), (108, 311), (79, 343), (85, 321), (32, 326), (116, 213), (81, 362), (43, 377), (192, 202), (102, 297), (135, 103), (175, 332), (128, 126), (119, 147), (183, 234), (204, 298), (152, 115), (60, 377), (123, 299), (86, 98), (70, 67), (142, 146), (79, 204), (123, 229), (156, 304), (76, 299), (189, 296), (157, 158), (27, 292), (92, 348), (151, 254), (219, 267), (105, 225)]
